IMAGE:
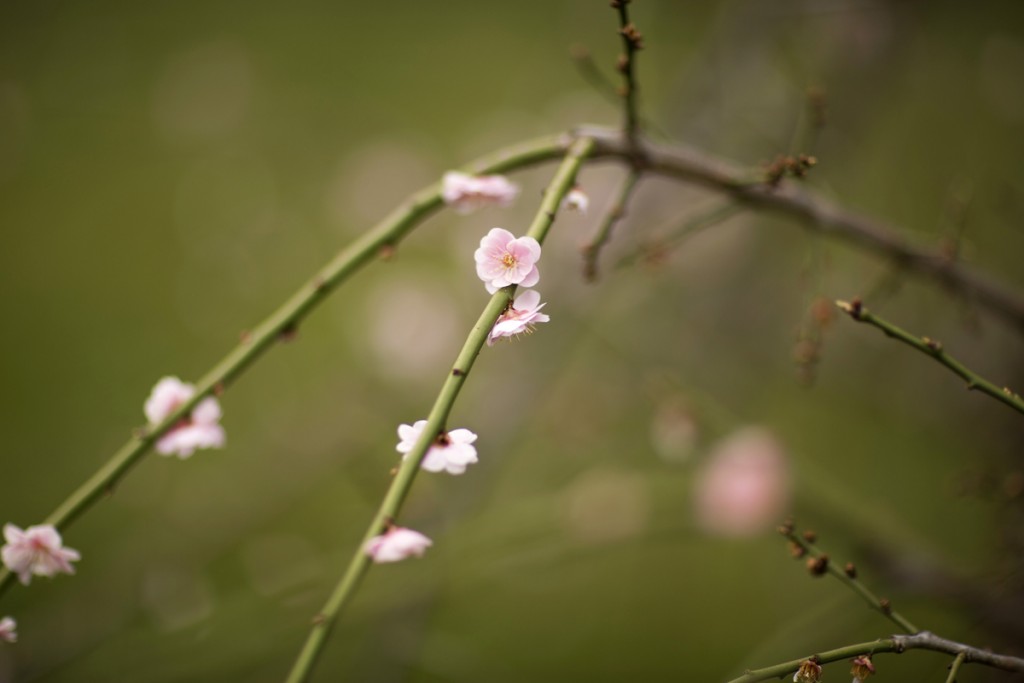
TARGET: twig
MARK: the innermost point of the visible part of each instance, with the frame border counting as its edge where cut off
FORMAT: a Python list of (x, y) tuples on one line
[(954, 668), (632, 42), (896, 644), (592, 250), (934, 349), (693, 225), (819, 563), (402, 483)]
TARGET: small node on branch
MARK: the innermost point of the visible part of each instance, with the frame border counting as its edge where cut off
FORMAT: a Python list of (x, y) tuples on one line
[(386, 252), (622, 64), (850, 570), (319, 618), (787, 527), (810, 536), (630, 32), (218, 389), (786, 164), (885, 605), (616, 4), (796, 550), (932, 344), (809, 671), (245, 337), (289, 332), (456, 372), (817, 566)]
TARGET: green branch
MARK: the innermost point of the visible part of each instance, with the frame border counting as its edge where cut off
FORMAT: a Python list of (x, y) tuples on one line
[(381, 239), (895, 644), (402, 483), (933, 349)]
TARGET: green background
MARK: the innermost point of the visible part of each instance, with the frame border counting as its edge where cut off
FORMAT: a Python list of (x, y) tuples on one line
[(170, 172)]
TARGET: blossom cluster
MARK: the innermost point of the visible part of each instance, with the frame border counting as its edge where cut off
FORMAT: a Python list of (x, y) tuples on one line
[(201, 429), (502, 260)]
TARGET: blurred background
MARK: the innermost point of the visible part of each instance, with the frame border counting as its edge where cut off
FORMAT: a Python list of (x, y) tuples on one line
[(171, 172)]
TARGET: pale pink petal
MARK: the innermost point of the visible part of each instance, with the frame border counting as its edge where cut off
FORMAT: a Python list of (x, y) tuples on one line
[(207, 411), (167, 395), (397, 544), (527, 300), (531, 278), (8, 628)]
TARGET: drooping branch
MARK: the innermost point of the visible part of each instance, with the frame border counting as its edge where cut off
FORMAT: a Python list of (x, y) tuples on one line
[(592, 249), (933, 349)]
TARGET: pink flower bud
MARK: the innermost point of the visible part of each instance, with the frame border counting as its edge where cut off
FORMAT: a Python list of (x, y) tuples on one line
[(397, 544)]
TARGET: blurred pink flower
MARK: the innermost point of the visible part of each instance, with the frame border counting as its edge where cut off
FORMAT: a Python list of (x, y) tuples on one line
[(467, 193), (451, 452), (521, 317), (503, 260), (744, 487), (7, 630), (37, 550), (576, 200), (397, 544), (201, 429)]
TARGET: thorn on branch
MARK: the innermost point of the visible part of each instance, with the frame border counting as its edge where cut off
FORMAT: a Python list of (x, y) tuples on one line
[(850, 570)]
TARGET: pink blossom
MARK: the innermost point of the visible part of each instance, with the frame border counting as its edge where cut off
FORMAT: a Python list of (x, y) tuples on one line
[(397, 544), (466, 193), (37, 550), (201, 429), (452, 451), (576, 200), (521, 317), (744, 487), (7, 630), (504, 259)]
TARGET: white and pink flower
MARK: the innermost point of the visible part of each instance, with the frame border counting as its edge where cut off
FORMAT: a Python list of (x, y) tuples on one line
[(201, 429), (8, 630), (504, 259), (467, 193), (396, 544), (576, 200), (521, 317), (450, 452), (36, 550), (744, 488)]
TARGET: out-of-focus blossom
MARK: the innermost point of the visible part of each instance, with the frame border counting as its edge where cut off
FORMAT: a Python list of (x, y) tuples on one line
[(450, 452), (861, 667), (36, 550), (576, 200), (396, 544), (744, 487), (521, 317), (466, 193), (504, 259), (201, 429), (809, 672), (7, 630)]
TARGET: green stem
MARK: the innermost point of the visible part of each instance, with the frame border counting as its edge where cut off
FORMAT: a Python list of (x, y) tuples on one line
[(918, 641), (934, 349), (592, 250), (436, 421), (881, 606), (954, 668)]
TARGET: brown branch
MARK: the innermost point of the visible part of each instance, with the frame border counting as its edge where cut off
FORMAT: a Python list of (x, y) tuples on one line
[(817, 213)]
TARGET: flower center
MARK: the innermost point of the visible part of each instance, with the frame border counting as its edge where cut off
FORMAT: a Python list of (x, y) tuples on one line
[(508, 260)]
